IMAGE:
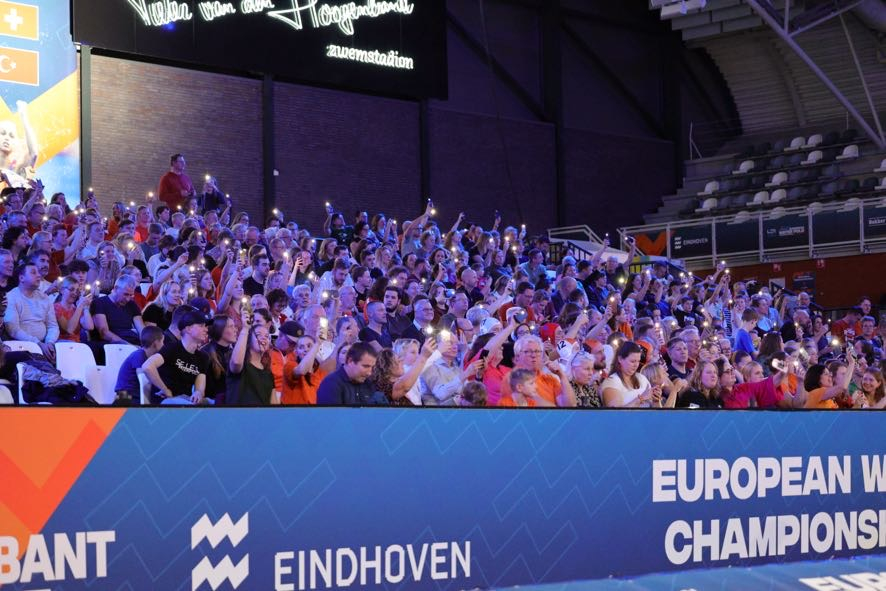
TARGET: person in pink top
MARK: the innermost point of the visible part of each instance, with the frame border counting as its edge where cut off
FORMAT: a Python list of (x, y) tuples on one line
[(489, 346), (763, 392)]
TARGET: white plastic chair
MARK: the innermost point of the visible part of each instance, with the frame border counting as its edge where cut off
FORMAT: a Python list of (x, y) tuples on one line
[(849, 152), (6, 396), (24, 346), (796, 144), (813, 157), (760, 198), (779, 178), (882, 185), (814, 140), (711, 187), (744, 167), (144, 388), (778, 195), (882, 167), (116, 354), (73, 360), (707, 205), (100, 382)]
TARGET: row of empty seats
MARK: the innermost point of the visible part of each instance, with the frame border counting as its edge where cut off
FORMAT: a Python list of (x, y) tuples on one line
[(75, 361), (827, 190)]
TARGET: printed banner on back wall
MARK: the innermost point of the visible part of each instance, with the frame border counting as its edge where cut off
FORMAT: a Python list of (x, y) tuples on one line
[(39, 96), (296, 499)]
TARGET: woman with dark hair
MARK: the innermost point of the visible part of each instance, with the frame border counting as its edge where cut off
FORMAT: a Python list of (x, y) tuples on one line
[(820, 385), (389, 378), (626, 387), (250, 381), (222, 336), (770, 344), (16, 241)]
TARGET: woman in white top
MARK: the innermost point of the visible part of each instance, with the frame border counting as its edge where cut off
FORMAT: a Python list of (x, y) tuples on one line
[(626, 387)]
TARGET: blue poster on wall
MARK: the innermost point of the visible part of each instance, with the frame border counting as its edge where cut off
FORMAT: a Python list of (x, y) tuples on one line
[(294, 499), (39, 96)]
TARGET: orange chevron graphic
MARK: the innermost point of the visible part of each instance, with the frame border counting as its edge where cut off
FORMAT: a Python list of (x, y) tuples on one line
[(656, 247), (42, 454)]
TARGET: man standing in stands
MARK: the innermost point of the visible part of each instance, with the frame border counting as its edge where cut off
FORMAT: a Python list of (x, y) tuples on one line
[(30, 315), (175, 185)]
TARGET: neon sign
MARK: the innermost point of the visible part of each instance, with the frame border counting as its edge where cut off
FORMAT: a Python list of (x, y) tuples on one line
[(164, 12), (395, 47)]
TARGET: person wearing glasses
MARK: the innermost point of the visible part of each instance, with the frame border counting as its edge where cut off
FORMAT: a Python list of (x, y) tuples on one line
[(551, 381)]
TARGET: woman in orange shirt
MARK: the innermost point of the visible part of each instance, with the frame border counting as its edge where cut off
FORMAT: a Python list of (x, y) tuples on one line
[(302, 373), (820, 387)]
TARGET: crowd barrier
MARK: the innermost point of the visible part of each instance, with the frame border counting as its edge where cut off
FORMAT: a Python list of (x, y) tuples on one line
[(316, 498)]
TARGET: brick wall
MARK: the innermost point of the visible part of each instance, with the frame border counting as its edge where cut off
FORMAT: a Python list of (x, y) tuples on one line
[(359, 152), (143, 113)]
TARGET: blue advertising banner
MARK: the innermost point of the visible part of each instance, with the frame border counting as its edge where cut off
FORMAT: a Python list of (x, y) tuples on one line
[(39, 96), (292, 499)]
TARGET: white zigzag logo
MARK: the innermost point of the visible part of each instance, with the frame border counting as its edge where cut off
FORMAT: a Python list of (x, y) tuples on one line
[(205, 572), (204, 529)]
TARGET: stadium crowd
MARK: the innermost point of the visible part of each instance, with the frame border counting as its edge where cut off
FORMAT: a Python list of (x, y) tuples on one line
[(226, 310)]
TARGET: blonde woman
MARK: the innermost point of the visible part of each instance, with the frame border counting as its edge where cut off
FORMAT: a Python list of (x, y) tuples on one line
[(159, 312)]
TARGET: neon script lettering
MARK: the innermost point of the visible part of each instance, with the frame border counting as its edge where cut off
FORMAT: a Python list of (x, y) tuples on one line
[(343, 16), (161, 13)]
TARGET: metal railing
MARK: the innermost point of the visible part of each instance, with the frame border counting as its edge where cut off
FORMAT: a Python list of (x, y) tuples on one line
[(855, 226)]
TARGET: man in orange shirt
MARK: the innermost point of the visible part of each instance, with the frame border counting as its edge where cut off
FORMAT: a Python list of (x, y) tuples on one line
[(552, 385)]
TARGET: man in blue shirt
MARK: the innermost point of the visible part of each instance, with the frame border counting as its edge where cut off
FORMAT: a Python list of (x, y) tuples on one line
[(349, 385)]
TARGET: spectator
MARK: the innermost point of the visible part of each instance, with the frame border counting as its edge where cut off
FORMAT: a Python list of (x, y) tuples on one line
[(72, 311), (178, 370), (349, 386), (250, 381), (302, 373), (223, 334), (376, 330), (159, 312), (127, 387), (117, 318), (29, 312), (391, 378), (441, 381), (175, 186), (626, 387), (821, 389), (552, 382), (254, 284)]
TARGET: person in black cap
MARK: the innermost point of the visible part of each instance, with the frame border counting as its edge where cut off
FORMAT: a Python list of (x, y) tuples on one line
[(284, 349), (179, 371)]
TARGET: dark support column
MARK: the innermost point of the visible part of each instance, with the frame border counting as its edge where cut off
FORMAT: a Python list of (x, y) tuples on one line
[(672, 100), (85, 119), (424, 141), (552, 94), (268, 156)]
